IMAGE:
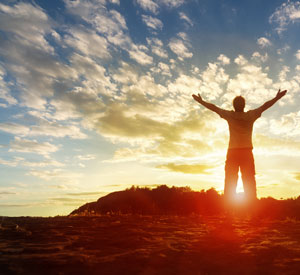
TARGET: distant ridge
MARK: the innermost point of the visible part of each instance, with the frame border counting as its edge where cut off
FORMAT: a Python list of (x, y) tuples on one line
[(164, 200)]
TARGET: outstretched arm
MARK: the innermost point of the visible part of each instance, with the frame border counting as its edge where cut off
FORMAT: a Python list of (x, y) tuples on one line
[(271, 102), (209, 106)]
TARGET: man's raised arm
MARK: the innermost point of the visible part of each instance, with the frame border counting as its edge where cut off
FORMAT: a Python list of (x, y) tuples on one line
[(209, 106), (271, 102)]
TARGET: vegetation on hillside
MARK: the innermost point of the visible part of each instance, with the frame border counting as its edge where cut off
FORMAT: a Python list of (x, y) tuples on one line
[(184, 201)]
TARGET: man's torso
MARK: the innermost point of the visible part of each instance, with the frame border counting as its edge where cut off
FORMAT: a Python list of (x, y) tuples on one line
[(240, 127)]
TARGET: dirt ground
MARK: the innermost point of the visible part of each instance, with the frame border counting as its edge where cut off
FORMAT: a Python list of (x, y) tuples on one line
[(133, 244)]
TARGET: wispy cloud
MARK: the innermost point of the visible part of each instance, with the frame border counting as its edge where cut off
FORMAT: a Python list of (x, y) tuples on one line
[(186, 168), (171, 3), (44, 128), (4, 89), (148, 5), (287, 13), (32, 146), (86, 194), (264, 42), (12, 163), (224, 59), (14, 128), (180, 48), (297, 176), (185, 18), (138, 53), (86, 157), (152, 22), (88, 42), (157, 47), (56, 175), (259, 57), (28, 22)]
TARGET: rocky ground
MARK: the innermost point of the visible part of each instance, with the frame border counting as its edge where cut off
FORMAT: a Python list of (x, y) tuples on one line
[(134, 244)]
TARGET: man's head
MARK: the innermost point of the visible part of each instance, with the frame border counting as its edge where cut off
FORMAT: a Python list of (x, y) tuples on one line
[(239, 103)]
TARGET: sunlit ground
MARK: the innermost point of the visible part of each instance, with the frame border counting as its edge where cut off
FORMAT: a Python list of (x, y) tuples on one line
[(134, 244)]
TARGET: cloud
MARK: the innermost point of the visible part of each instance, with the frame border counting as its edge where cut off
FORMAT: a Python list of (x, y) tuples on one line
[(12, 163), (58, 175), (72, 200), (185, 85), (116, 122), (86, 157), (283, 73), (86, 194), (212, 81), (263, 42), (109, 23), (117, 2), (44, 128), (161, 69), (298, 54), (18, 161), (126, 74), (157, 47), (151, 22), (32, 146), (224, 59), (284, 49), (43, 163), (154, 5), (240, 60), (183, 36), (138, 54), (20, 205), (28, 22), (287, 13), (78, 105), (137, 89), (4, 89), (277, 145), (28, 55), (88, 42), (297, 176), (180, 49), (7, 193), (185, 18), (186, 168), (171, 3), (14, 128), (154, 134), (91, 70), (250, 81), (148, 5), (259, 57), (288, 125)]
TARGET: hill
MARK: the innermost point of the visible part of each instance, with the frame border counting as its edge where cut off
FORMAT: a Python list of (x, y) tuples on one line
[(164, 200)]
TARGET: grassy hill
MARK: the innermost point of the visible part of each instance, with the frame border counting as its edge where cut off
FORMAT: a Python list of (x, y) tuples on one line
[(184, 201)]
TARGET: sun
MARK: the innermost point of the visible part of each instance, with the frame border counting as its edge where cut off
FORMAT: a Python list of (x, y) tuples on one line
[(239, 187)]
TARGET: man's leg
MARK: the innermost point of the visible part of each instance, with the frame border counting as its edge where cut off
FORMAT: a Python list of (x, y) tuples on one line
[(231, 175), (248, 175)]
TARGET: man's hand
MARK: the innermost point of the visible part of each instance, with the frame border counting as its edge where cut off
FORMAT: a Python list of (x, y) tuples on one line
[(198, 98), (208, 105), (280, 94)]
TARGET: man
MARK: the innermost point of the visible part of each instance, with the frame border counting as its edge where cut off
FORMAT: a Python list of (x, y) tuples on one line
[(239, 154)]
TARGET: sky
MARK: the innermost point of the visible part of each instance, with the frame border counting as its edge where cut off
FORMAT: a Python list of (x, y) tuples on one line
[(95, 96)]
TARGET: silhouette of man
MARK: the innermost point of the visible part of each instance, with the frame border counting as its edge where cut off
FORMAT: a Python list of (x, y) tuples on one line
[(239, 153)]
